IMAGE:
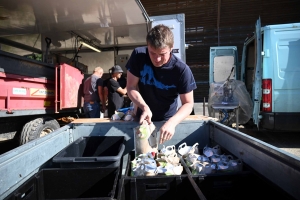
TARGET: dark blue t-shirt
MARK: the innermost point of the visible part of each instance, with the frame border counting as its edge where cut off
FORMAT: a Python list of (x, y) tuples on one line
[(160, 86)]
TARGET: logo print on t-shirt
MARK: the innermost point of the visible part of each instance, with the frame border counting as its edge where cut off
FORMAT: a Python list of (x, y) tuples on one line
[(147, 78)]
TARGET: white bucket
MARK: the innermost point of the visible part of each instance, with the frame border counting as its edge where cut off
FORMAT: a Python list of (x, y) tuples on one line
[(101, 114)]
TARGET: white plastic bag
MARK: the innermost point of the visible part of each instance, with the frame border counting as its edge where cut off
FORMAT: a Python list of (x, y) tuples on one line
[(145, 138)]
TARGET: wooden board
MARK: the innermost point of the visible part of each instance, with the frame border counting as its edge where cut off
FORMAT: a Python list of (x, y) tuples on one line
[(99, 120)]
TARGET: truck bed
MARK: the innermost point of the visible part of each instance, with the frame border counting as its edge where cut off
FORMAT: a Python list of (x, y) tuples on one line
[(274, 165)]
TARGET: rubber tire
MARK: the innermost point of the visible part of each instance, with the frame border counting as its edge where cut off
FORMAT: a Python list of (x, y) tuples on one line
[(32, 129)]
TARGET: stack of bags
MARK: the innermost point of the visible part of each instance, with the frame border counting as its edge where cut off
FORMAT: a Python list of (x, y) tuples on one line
[(149, 161), (212, 161), (125, 114), (165, 162)]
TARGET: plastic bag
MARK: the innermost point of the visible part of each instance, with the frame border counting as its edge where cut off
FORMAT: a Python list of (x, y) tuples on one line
[(145, 138)]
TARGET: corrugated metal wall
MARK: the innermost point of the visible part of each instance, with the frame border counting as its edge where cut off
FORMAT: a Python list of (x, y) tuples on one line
[(220, 23)]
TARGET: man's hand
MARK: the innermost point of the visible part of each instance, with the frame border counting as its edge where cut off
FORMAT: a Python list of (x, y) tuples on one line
[(146, 115), (168, 129), (166, 132), (103, 108)]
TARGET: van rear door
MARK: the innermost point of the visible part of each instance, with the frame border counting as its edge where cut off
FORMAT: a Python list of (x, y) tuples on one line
[(257, 91), (221, 61), (176, 23)]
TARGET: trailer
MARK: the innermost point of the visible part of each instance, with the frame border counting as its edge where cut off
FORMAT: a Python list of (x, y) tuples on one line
[(34, 95), (268, 171)]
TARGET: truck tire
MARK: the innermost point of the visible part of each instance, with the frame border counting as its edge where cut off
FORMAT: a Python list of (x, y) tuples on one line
[(38, 128)]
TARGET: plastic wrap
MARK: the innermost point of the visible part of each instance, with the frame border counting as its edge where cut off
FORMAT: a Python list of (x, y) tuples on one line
[(225, 96), (145, 138)]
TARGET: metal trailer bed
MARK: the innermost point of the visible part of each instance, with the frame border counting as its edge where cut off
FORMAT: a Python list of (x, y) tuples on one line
[(277, 166)]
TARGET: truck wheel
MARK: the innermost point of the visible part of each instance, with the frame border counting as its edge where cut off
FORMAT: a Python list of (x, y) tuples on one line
[(38, 128)]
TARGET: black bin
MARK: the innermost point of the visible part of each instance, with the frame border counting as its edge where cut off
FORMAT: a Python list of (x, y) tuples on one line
[(93, 151), (28, 191), (235, 186), (154, 188), (80, 183)]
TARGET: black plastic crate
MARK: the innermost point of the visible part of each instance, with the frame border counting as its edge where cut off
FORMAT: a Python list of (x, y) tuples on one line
[(169, 187), (235, 186), (28, 191), (80, 183), (94, 151), (245, 184)]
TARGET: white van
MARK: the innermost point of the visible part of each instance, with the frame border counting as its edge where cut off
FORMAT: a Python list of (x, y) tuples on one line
[(270, 69)]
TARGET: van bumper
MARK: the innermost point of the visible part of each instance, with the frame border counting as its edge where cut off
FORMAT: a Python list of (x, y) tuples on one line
[(280, 121)]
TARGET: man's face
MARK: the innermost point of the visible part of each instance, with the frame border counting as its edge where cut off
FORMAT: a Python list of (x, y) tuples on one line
[(99, 73), (118, 74), (159, 57)]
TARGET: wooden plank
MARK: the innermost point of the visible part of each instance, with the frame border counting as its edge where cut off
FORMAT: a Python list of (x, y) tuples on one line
[(94, 120), (101, 120), (200, 117)]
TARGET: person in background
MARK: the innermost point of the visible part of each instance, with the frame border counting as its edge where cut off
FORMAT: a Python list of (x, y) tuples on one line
[(115, 91), (91, 96), (123, 81), (155, 78), (105, 82), (106, 90), (101, 93)]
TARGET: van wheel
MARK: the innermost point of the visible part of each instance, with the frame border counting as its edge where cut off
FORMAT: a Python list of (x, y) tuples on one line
[(38, 128)]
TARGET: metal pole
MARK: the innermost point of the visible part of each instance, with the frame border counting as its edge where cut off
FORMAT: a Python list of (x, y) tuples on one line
[(77, 53), (237, 117), (56, 83), (204, 106), (218, 21)]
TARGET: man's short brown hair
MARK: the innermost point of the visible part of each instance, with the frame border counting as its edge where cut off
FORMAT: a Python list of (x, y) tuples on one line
[(160, 36)]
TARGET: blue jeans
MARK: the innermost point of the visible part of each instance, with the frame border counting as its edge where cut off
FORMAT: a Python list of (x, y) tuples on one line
[(92, 110)]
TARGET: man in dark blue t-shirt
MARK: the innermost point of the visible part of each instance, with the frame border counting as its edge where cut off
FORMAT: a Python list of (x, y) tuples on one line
[(155, 78)]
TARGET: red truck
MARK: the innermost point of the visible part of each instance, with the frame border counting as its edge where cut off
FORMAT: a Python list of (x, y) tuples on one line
[(34, 95)]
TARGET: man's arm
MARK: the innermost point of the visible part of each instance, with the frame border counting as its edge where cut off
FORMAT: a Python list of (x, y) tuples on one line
[(102, 99), (168, 129), (105, 90), (122, 91), (136, 98), (187, 101)]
